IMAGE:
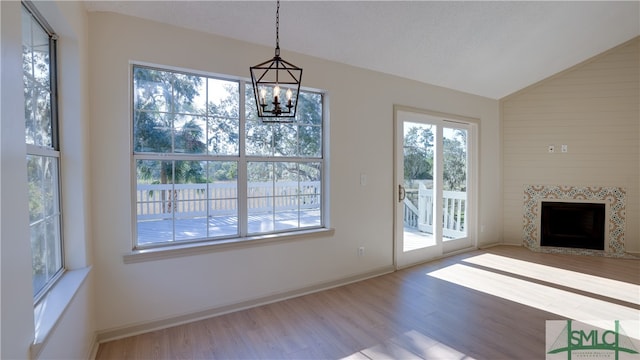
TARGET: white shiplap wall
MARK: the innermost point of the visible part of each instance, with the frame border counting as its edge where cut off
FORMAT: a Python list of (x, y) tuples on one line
[(593, 108)]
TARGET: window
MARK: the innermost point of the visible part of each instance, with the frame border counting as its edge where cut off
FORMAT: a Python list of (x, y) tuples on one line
[(206, 168), (43, 156)]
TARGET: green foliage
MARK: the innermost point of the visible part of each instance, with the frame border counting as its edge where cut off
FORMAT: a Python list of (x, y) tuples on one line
[(455, 162), (418, 157), (160, 126), (176, 113), (223, 171), (300, 138), (418, 154)]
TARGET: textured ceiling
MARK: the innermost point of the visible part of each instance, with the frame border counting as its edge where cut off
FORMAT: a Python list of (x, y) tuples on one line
[(490, 49)]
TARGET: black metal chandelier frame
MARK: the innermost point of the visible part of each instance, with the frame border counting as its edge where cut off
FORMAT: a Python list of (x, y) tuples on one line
[(269, 78)]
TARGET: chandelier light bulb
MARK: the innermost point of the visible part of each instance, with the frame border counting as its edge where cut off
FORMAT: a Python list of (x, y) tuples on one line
[(289, 93), (263, 95), (276, 93)]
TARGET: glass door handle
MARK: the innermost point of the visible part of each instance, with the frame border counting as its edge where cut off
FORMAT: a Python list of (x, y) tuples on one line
[(401, 193)]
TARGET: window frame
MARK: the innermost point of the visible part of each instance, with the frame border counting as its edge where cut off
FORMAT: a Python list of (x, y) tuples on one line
[(242, 237), (52, 151)]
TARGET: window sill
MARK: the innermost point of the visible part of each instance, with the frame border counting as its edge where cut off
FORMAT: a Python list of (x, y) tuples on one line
[(220, 245), (52, 306)]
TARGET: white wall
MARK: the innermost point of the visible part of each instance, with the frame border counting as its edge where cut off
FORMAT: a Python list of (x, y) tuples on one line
[(594, 108), (361, 141), (73, 334), (16, 292)]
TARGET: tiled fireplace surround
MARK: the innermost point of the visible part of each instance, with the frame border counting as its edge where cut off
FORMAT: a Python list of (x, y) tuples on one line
[(612, 197)]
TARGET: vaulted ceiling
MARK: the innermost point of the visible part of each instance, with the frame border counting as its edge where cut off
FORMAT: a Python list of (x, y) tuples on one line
[(490, 49)]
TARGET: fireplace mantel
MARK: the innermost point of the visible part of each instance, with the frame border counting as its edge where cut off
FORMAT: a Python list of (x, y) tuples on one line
[(613, 197)]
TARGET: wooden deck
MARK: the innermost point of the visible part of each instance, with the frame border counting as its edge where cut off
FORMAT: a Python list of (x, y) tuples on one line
[(155, 231), (414, 239)]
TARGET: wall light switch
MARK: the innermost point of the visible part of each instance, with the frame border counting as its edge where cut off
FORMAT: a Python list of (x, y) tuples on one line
[(564, 148), (363, 179), (552, 148)]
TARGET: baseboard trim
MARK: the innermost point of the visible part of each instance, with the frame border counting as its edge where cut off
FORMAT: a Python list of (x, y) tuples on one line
[(119, 333), (487, 246), (443, 256)]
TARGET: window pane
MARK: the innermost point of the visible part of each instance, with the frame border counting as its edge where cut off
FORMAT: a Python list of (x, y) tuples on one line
[(53, 246), (189, 94), (224, 103), (283, 195), (454, 176), (224, 98), (223, 137), (36, 189), (38, 257), (250, 103), (189, 134), (50, 185), (309, 109), (455, 159), (152, 98), (37, 83), (259, 135), (42, 118), (310, 141), (285, 139), (259, 140), (154, 201), (151, 132), (260, 197), (310, 194), (151, 90), (286, 196), (189, 199), (223, 198), (44, 219)]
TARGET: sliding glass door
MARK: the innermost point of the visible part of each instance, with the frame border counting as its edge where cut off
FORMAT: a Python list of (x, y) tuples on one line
[(433, 212)]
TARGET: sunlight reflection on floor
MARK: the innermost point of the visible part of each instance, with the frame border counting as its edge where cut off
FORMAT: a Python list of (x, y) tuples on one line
[(594, 284), (411, 345), (546, 298)]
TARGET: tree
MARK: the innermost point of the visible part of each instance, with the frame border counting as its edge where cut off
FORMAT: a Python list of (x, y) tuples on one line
[(418, 153), (301, 137), (455, 161), (160, 126)]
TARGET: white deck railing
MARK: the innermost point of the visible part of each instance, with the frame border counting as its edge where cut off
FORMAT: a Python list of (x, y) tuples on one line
[(164, 201), (454, 209)]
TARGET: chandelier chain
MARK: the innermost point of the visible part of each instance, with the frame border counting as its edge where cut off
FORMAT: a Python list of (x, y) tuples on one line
[(278, 25)]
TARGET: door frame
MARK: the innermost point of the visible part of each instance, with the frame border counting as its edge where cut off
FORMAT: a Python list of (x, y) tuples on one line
[(472, 181)]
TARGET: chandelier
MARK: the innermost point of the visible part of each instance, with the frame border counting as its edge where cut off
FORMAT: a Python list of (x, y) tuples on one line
[(273, 78)]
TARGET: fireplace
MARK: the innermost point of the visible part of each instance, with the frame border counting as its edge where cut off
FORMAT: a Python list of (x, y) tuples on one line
[(572, 225), (568, 239)]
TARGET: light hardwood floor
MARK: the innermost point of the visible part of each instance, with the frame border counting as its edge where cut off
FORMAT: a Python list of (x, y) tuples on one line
[(486, 304)]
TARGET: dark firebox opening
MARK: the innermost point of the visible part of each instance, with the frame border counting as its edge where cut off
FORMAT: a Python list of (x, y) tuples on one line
[(572, 225)]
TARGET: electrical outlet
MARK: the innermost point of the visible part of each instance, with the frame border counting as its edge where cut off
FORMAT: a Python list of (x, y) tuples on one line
[(361, 251), (564, 148)]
